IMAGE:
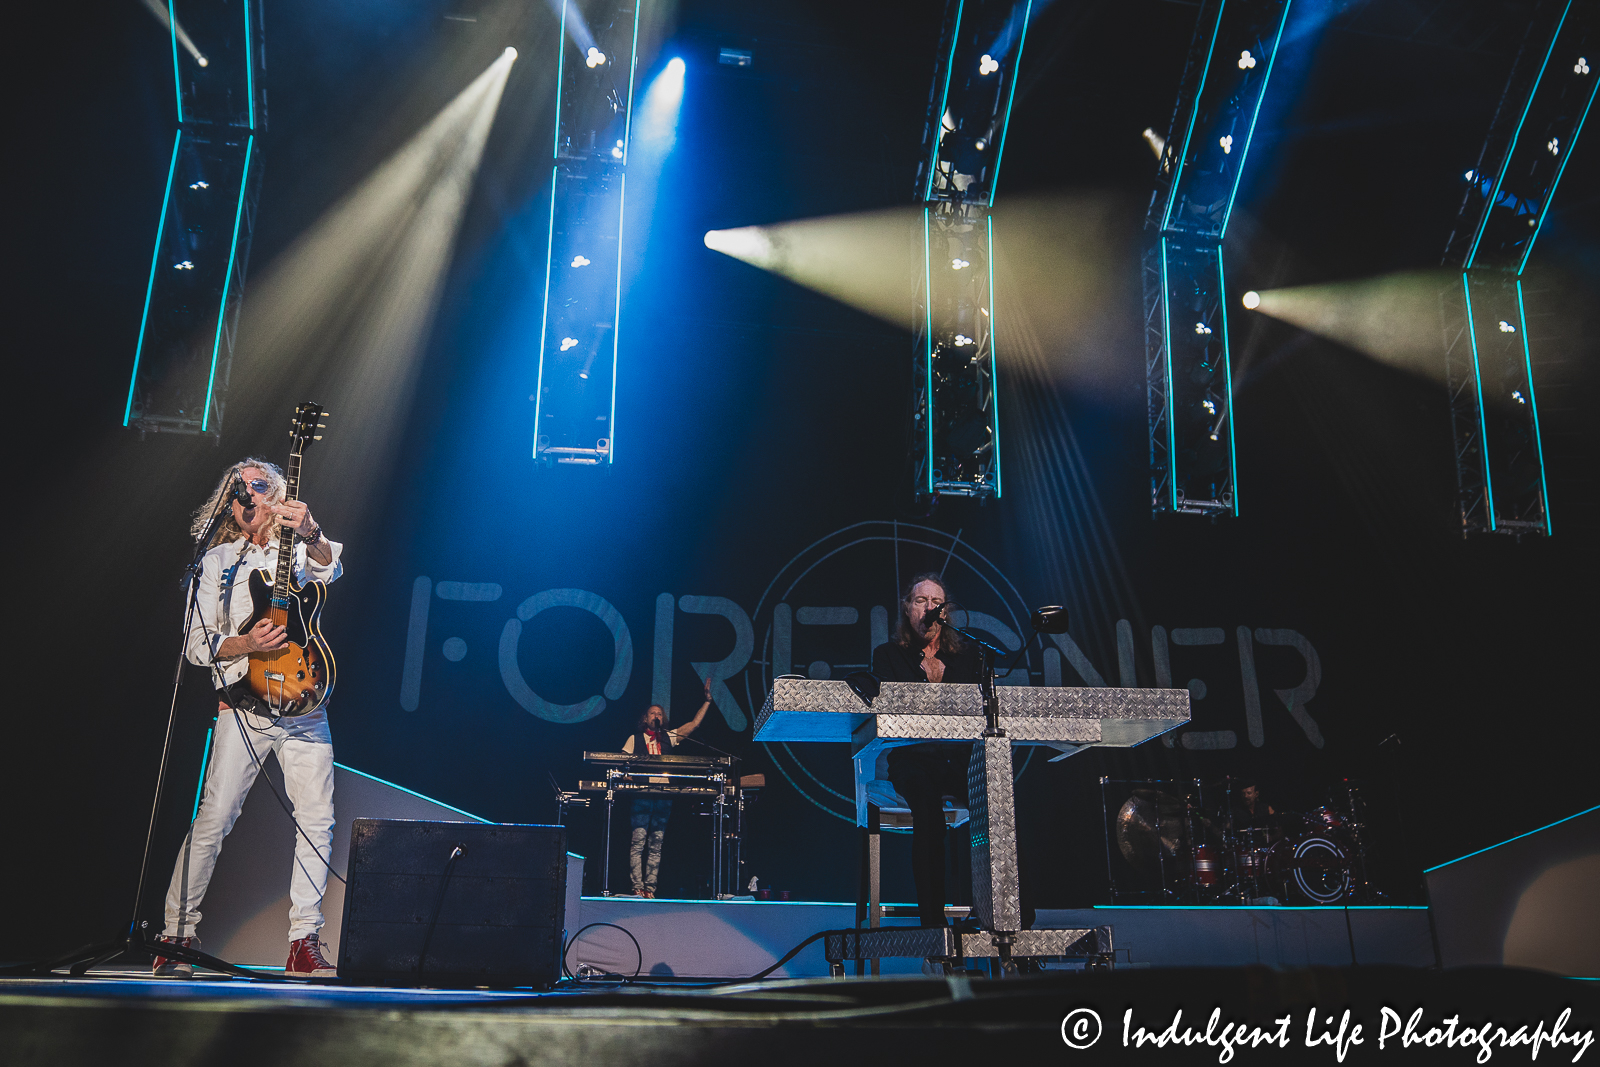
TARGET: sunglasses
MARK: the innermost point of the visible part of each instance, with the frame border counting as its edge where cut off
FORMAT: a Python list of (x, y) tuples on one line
[(260, 486)]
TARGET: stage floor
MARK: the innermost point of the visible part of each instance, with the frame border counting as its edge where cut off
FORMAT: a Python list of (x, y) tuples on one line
[(734, 938), (134, 1021)]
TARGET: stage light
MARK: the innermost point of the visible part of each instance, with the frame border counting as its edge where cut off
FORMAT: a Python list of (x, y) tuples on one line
[(1227, 144), (1157, 143), (580, 261), (980, 144), (1209, 406), (511, 53), (1581, 67), (1516, 394), (988, 65), (616, 150), (594, 57), (200, 185), (962, 340), (675, 66), (1246, 60), (1470, 175), (584, 374), (1252, 300), (568, 342), (1554, 145), (185, 265), (959, 264), (1506, 327), (203, 61), (1201, 328), (1213, 435)]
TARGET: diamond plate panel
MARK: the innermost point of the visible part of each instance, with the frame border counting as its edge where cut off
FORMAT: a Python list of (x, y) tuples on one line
[(996, 903), (1093, 941), (806, 709), (916, 942), (889, 941)]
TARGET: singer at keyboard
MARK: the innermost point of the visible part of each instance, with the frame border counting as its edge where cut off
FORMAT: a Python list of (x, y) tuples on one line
[(649, 819)]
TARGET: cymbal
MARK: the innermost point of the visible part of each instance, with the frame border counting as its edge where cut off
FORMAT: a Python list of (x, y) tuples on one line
[(1149, 823)]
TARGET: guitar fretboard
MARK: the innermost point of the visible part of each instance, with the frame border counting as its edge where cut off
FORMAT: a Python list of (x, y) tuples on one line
[(280, 585)]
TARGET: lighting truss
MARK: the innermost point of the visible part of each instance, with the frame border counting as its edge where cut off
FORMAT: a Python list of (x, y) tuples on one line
[(183, 358), (1500, 475), (955, 415), (1193, 468), (575, 397)]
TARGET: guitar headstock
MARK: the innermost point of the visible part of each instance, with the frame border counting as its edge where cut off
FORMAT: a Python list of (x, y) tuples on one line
[(306, 426)]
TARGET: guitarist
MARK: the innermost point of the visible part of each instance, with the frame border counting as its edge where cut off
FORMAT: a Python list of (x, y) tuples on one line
[(247, 541)]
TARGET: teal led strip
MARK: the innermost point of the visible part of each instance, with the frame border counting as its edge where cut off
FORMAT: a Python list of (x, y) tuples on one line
[(1538, 441), (1005, 127), (1562, 169), (944, 100), (1483, 223), (1508, 840), (1477, 384), (155, 260), (200, 787), (927, 307), (177, 79), (544, 320), (1261, 97), (227, 282), (627, 124), (561, 62), (249, 71), (616, 327), (411, 792), (1166, 340), (994, 380), (1227, 371), (1194, 111)]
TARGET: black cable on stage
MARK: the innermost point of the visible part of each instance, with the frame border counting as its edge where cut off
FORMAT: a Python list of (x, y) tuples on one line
[(438, 905), (574, 940)]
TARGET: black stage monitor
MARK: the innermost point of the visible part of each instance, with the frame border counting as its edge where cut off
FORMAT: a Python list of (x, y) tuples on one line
[(454, 904)]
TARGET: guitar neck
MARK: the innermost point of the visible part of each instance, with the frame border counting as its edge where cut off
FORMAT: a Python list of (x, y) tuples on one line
[(280, 585)]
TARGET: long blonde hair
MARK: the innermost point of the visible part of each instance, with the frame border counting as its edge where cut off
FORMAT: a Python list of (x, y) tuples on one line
[(229, 530)]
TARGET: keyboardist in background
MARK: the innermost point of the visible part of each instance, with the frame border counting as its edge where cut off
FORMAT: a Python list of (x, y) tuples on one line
[(649, 818), (922, 650)]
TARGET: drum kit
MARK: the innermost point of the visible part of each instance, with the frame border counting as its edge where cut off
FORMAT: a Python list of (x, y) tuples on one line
[(1201, 845)]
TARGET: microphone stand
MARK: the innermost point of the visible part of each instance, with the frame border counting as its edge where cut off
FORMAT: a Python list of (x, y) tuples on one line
[(137, 937)]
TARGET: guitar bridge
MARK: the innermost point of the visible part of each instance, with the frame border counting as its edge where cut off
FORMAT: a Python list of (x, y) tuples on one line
[(271, 677)]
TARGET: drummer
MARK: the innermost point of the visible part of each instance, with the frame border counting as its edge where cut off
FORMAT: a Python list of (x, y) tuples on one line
[(1251, 810)]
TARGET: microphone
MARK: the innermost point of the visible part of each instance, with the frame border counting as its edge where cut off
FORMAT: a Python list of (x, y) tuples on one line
[(934, 615), (241, 494)]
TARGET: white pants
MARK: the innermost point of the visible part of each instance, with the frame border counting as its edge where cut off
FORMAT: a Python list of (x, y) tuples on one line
[(306, 757)]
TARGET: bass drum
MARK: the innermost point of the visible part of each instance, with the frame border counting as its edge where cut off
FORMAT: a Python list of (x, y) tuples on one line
[(1318, 870)]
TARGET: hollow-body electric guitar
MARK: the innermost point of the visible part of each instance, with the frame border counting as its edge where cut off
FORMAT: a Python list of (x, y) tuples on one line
[(298, 677)]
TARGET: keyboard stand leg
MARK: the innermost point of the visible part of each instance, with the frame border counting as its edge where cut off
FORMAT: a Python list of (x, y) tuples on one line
[(611, 797)]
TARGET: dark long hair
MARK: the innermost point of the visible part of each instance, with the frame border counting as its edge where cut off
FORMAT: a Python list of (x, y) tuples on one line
[(638, 725), (906, 635)]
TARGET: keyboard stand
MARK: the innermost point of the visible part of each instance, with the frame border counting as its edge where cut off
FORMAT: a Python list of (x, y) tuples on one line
[(1066, 719)]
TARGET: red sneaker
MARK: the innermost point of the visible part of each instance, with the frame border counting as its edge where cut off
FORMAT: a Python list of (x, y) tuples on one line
[(306, 960), (166, 968)]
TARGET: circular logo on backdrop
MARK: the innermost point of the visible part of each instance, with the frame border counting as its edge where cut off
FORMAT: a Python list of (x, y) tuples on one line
[(838, 599)]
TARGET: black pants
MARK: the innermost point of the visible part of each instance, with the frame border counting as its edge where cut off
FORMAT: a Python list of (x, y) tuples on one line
[(925, 775)]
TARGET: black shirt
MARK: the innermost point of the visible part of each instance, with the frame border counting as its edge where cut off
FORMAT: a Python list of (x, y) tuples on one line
[(894, 662)]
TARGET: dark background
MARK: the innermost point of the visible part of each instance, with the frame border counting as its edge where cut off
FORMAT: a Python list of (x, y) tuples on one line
[(756, 417)]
